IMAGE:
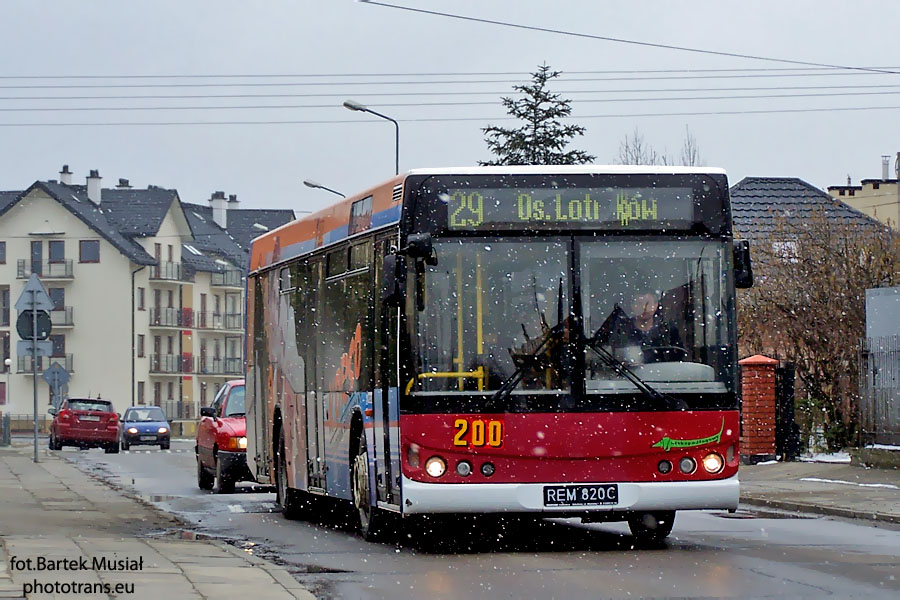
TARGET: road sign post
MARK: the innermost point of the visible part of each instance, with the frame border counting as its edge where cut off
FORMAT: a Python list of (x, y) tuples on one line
[(34, 298)]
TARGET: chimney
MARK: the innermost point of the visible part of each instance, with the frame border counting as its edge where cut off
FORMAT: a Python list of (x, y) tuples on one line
[(885, 167), (219, 208), (65, 176), (123, 184), (232, 200), (93, 186)]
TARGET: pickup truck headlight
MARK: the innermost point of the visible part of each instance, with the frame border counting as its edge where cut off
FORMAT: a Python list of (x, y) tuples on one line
[(237, 443)]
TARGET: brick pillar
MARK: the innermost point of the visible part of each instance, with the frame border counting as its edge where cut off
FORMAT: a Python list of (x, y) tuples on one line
[(758, 409)]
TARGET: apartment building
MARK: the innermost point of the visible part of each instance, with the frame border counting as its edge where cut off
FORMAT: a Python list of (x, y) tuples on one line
[(876, 198), (148, 291)]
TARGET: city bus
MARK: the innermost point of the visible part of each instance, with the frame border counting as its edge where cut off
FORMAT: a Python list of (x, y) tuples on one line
[(468, 341)]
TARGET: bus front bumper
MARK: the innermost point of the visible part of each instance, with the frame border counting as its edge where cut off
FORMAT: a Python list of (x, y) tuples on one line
[(516, 498)]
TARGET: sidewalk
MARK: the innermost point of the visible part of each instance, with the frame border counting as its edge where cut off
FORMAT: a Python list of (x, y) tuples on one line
[(835, 489), (51, 511)]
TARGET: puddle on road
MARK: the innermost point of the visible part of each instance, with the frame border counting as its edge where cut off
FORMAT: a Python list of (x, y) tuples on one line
[(763, 514)]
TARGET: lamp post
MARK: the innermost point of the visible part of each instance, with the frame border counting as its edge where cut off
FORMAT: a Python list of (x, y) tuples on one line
[(356, 106), (319, 186), (8, 363)]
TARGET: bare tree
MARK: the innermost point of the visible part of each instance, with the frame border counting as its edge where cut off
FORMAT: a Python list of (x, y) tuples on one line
[(808, 306), (636, 151), (690, 150)]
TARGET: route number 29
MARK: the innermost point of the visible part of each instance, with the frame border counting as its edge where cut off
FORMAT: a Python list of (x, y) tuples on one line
[(478, 433)]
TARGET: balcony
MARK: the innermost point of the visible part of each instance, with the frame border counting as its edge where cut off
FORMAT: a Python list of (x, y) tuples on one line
[(169, 364), (169, 317), (221, 367), (232, 278), (23, 363), (219, 321), (64, 317), (56, 270), (169, 271)]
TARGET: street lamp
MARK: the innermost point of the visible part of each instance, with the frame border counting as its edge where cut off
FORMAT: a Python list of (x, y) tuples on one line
[(8, 363), (319, 186), (351, 105)]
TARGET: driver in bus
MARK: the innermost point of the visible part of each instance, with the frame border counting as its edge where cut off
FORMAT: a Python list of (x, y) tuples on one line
[(643, 337)]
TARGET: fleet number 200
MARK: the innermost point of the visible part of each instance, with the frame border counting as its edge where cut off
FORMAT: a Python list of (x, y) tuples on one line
[(478, 433)]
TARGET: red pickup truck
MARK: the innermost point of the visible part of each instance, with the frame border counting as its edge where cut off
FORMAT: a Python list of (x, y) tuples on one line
[(222, 441)]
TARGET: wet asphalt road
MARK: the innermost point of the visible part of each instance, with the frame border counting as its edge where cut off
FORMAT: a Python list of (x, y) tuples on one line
[(709, 554)]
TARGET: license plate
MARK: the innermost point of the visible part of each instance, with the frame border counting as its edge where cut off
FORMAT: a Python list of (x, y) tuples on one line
[(581, 495), (147, 438), (89, 418)]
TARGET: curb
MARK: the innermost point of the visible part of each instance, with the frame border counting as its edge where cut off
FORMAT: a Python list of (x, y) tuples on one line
[(821, 510)]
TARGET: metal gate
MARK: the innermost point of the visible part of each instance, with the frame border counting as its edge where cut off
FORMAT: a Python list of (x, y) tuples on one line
[(787, 433), (879, 390)]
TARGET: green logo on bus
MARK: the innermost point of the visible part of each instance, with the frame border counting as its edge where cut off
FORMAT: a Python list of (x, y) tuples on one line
[(668, 443)]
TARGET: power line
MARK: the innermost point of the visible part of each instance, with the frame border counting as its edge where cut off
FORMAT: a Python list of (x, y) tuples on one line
[(626, 41), (454, 119), (435, 104), (446, 93)]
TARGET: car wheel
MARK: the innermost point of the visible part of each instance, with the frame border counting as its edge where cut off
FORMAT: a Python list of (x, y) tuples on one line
[(224, 484), (164, 446), (372, 520), (204, 479), (54, 443), (111, 448), (125, 444), (651, 527)]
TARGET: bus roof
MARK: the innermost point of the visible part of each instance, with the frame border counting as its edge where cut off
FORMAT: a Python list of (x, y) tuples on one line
[(333, 223)]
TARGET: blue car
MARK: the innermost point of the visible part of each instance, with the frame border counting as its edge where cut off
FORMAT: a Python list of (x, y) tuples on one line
[(145, 425)]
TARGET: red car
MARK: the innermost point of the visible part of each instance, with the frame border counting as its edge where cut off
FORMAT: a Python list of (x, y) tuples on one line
[(222, 441), (86, 423)]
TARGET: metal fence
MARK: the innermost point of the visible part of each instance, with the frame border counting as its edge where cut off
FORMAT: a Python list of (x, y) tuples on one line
[(879, 386)]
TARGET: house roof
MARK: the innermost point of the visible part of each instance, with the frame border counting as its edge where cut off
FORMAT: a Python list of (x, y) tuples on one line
[(209, 237), (242, 223), (137, 212), (756, 203), (74, 198)]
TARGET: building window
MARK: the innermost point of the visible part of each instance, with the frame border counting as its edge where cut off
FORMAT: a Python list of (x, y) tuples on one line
[(170, 295), (57, 251), (58, 296), (171, 253), (203, 392), (218, 305), (171, 391), (4, 307), (2, 253), (37, 257), (140, 299), (875, 185), (170, 344), (842, 192), (157, 393), (140, 345), (59, 345), (89, 251), (140, 392)]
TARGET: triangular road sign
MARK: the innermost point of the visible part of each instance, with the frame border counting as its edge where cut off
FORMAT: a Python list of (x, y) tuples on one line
[(39, 300)]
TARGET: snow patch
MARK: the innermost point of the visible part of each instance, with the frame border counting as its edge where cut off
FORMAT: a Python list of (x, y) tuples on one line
[(866, 485), (837, 457)]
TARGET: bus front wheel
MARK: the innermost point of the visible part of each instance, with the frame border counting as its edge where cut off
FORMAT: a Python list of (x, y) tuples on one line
[(372, 520), (651, 527)]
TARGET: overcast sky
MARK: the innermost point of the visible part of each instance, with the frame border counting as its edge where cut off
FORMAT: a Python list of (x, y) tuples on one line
[(406, 64)]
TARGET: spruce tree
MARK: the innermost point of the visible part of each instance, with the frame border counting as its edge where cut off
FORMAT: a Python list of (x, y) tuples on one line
[(542, 139)]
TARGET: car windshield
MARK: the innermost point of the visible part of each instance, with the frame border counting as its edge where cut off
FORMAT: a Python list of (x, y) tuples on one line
[(235, 405), (489, 308), (99, 405), (145, 415), (659, 307)]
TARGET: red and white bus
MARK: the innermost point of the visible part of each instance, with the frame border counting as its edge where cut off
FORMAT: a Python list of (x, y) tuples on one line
[(474, 340)]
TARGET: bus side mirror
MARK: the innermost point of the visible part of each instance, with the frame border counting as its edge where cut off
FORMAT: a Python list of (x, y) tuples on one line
[(391, 280), (743, 269), (419, 247)]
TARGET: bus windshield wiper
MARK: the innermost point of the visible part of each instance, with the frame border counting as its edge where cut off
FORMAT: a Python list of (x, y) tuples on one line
[(664, 400), (528, 361)]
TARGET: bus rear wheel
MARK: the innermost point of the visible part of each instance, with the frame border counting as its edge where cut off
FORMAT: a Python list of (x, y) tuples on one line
[(287, 499), (651, 527), (372, 520)]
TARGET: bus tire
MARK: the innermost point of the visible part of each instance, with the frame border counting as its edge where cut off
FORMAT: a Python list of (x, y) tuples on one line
[(286, 498), (372, 520), (651, 527)]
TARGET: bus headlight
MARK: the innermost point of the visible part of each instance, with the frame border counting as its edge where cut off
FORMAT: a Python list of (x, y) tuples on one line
[(435, 466), (713, 463)]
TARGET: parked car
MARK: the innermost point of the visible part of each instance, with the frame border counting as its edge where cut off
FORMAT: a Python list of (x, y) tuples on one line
[(221, 448), (86, 423), (144, 425)]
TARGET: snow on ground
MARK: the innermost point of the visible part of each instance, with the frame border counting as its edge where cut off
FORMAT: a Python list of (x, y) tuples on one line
[(883, 447), (837, 457), (868, 485)]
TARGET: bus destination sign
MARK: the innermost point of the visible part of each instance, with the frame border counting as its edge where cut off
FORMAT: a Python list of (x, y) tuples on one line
[(588, 208)]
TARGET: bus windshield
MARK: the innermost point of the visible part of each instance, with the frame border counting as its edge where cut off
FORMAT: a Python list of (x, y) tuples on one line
[(659, 308), (489, 305)]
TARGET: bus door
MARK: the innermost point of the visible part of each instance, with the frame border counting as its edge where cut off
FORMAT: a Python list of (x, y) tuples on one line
[(308, 298), (385, 403)]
